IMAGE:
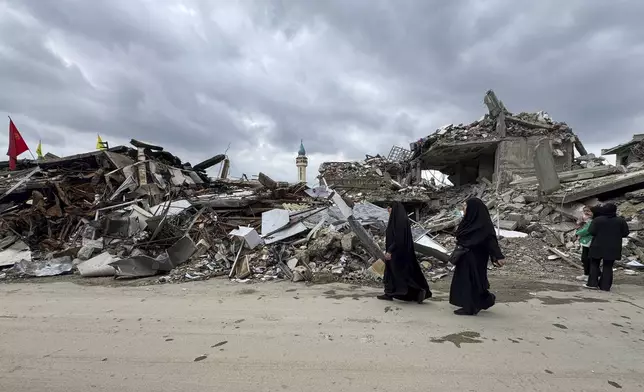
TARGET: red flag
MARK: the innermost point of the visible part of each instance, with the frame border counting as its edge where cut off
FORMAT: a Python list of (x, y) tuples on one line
[(17, 145)]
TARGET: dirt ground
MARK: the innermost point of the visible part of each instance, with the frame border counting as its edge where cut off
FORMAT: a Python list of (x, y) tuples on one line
[(281, 336)]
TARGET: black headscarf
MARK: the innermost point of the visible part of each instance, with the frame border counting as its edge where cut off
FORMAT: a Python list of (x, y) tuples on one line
[(476, 226), (398, 228), (597, 210), (609, 210)]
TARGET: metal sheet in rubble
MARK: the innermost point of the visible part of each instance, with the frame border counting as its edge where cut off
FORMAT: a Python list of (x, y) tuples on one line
[(53, 267), (429, 247), (286, 233), (136, 267), (14, 253), (97, 266)]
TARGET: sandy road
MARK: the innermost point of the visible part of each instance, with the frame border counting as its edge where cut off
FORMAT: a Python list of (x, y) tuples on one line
[(215, 335)]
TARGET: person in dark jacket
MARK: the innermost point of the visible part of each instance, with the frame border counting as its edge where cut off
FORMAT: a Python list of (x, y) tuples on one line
[(607, 230), (404, 280), (476, 244)]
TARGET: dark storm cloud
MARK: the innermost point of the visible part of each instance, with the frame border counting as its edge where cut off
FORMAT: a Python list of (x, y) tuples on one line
[(349, 77)]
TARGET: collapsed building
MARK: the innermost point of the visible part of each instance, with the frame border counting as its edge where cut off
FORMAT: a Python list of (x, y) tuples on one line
[(499, 143), (524, 167), (142, 212), (627, 153)]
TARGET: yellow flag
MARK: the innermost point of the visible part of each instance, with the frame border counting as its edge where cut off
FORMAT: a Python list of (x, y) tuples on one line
[(99, 143), (39, 149)]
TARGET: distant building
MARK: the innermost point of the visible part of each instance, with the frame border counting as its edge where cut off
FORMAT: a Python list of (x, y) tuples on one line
[(301, 162), (626, 153)]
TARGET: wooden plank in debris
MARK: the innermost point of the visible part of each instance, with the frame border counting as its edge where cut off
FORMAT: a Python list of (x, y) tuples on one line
[(601, 187), (545, 168), (565, 257)]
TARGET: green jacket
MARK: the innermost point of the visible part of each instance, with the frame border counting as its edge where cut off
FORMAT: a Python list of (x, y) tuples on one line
[(584, 236)]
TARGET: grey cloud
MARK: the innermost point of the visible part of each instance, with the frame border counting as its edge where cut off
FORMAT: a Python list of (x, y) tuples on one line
[(181, 74)]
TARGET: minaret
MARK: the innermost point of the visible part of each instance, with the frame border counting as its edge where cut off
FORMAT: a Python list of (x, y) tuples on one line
[(301, 162)]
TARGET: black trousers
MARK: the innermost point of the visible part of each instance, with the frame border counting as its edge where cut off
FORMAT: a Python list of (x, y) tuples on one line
[(585, 260), (601, 279)]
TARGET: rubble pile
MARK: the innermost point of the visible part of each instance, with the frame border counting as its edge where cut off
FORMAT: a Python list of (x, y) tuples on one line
[(536, 231), (137, 212), (485, 129), (373, 167), (376, 179)]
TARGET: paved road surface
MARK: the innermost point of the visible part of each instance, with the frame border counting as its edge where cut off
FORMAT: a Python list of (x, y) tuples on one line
[(220, 336)]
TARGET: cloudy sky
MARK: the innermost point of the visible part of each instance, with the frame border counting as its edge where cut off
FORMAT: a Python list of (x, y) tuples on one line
[(350, 77)]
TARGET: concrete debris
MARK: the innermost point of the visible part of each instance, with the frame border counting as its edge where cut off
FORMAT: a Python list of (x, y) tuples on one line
[(142, 212)]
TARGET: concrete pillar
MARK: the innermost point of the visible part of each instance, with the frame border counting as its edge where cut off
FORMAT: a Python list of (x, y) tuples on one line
[(544, 164)]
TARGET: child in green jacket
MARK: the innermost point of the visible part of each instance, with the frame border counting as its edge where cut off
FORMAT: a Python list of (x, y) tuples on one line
[(585, 239)]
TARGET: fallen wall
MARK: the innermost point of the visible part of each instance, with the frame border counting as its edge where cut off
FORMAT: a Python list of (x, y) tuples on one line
[(516, 155)]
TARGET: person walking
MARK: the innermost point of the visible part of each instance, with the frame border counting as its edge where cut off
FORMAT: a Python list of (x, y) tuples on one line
[(404, 280), (584, 240), (476, 244), (607, 231)]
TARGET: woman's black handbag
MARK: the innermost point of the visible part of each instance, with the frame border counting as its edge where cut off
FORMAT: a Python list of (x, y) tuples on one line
[(457, 254)]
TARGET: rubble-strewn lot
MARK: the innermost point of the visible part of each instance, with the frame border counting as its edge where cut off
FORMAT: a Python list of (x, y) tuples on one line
[(142, 212)]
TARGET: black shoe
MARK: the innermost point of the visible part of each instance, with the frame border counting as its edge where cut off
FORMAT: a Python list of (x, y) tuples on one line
[(464, 312), (489, 301), (421, 296), (385, 297)]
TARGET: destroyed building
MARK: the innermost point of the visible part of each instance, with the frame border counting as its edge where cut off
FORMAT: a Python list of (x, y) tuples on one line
[(627, 153), (500, 142), (141, 212), (144, 213)]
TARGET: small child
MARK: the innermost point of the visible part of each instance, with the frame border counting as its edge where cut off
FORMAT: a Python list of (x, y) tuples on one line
[(585, 239)]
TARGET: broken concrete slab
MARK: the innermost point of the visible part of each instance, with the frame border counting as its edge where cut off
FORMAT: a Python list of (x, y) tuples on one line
[(97, 266), (576, 175), (508, 225), (590, 188), (545, 168)]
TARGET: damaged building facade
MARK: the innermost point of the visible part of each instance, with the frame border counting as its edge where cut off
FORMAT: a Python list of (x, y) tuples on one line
[(627, 153), (500, 142)]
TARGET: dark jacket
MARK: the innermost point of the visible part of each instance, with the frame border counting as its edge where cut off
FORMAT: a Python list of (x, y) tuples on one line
[(607, 230)]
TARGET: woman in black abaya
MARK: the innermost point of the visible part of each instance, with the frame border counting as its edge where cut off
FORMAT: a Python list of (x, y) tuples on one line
[(404, 280), (476, 243)]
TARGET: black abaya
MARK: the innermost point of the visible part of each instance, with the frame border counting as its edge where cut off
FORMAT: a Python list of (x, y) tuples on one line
[(404, 279), (470, 285)]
